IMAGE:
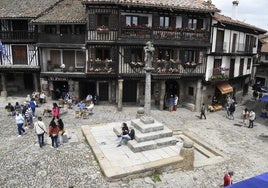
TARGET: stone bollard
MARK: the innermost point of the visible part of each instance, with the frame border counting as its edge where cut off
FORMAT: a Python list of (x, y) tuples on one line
[(140, 113), (187, 152)]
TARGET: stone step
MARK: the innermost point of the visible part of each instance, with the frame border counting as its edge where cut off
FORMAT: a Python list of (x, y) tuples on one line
[(145, 128), (143, 137), (152, 144)]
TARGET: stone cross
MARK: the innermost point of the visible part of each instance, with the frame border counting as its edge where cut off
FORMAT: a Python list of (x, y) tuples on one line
[(149, 52)]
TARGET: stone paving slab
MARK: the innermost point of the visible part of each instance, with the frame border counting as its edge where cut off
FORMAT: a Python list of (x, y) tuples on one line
[(23, 164), (118, 162)]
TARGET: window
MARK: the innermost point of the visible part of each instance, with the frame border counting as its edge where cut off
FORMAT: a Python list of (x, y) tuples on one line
[(103, 53), (80, 59), (241, 66), (248, 64), (164, 21), (68, 58), (79, 29), (102, 20), (165, 54), (191, 91), (136, 55), (189, 56), (50, 29), (192, 23), (219, 41), (19, 54), (217, 66), (55, 58), (131, 20), (65, 29)]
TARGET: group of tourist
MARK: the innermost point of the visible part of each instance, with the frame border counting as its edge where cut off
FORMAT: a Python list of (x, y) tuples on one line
[(24, 115), (172, 102), (250, 116)]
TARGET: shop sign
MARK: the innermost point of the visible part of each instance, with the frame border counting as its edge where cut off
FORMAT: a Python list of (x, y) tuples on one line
[(57, 79)]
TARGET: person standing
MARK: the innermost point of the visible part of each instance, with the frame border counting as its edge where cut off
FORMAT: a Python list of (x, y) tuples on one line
[(53, 133), (245, 115), (29, 115), (40, 130), (227, 179), (60, 124), (251, 117), (232, 110), (55, 111), (176, 100), (19, 122), (203, 111), (33, 106), (170, 103)]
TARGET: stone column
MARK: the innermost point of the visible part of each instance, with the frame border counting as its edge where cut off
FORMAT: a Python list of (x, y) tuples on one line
[(4, 87), (187, 152), (120, 95), (198, 96), (113, 92), (162, 94), (149, 51), (36, 85)]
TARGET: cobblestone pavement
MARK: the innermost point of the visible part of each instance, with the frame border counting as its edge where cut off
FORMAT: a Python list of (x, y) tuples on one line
[(24, 164)]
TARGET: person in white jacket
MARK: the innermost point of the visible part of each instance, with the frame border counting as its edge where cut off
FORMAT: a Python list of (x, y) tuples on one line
[(40, 129), (19, 122), (251, 117)]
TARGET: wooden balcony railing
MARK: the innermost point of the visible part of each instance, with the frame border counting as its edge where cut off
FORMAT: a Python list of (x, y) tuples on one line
[(61, 38), (101, 66), (6, 36)]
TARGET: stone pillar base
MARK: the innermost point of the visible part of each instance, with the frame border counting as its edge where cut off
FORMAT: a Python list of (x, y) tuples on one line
[(187, 152), (3, 93), (147, 119)]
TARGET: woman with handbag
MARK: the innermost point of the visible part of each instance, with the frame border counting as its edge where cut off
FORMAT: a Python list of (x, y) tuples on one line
[(53, 133), (40, 129)]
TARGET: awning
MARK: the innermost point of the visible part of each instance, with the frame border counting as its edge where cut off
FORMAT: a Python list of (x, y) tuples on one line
[(225, 87), (259, 181)]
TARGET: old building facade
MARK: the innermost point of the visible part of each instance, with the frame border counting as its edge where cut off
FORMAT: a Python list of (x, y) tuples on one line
[(96, 47)]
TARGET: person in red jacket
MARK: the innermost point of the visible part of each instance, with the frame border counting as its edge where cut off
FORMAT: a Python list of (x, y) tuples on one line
[(55, 111), (228, 178), (53, 133)]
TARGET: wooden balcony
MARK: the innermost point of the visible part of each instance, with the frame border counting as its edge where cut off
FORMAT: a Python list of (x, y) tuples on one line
[(101, 66), (181, 35), (17, 36), (61, 38), (147, 33)]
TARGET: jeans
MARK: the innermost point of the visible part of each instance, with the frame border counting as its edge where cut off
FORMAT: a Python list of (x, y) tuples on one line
[(251, 123), (41, 140), (54, 140), (20, 128), (127, 137)]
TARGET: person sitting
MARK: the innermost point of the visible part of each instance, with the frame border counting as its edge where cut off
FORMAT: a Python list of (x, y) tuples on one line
[(124, 130), (214, 101), (81, 105), (90, 107), (42, 98), (10, 109), (129, 136)]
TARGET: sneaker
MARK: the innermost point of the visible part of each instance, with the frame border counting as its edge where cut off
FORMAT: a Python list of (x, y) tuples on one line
[(51, 146), (19, 135), (118, 145)]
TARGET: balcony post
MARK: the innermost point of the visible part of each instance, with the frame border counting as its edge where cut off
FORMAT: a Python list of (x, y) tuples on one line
[(120, 94)]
